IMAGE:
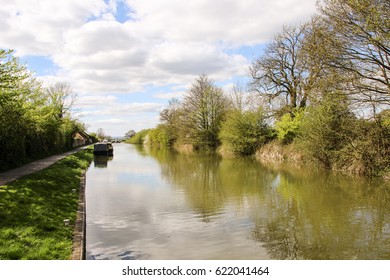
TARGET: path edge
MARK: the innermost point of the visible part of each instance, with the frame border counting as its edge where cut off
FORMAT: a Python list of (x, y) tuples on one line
[(78, 250)]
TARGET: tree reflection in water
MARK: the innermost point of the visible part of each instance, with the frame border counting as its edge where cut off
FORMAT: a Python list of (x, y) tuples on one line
[(295, 214)]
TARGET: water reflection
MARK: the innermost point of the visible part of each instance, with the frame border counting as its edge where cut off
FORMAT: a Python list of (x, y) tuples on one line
[(305, 215), (158, 204), (101, 161)]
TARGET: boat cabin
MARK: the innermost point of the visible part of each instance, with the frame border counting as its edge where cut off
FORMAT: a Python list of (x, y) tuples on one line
[(104, 149)]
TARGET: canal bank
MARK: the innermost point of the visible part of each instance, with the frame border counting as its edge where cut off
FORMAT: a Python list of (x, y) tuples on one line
[(32, 167), (78, 249), (38, 212)]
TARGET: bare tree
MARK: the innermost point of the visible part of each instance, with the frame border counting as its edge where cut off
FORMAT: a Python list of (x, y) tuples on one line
[(360, 31), (241, 98), (61, 97), (130, 134), (169, 115), (100, 134), (282, 75)]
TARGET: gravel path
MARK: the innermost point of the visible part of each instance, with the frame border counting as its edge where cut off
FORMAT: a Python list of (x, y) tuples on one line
[(13, 174)]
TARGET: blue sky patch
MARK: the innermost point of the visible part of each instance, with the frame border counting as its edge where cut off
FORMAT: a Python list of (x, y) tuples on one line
[(123, 12), (41, 65)]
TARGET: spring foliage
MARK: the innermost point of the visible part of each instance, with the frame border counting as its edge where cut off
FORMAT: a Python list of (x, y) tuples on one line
[(35, 121), (289, 125), (244, 131)]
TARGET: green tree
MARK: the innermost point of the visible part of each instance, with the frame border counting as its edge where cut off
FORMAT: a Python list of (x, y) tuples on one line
[(204, 108), (14, 92), (171, 119), (159, 136), (139, 137), (35, 122), (62, 98)]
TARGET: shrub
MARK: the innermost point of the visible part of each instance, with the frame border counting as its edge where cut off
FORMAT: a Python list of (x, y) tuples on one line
[(371, 146), (159, 136), (244, 131), (288, 127), (326, 129), (139, 137)]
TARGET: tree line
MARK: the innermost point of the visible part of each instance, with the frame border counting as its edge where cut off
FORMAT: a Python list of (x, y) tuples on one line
[(35, 120), (322, 86)]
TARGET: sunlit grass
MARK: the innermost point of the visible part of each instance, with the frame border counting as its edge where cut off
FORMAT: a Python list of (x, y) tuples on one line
[(33, 208)]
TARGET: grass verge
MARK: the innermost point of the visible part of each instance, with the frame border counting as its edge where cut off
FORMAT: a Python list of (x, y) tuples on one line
[(33, 208)]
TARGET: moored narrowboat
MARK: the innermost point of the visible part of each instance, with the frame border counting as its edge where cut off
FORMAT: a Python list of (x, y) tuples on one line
[(103, 149)]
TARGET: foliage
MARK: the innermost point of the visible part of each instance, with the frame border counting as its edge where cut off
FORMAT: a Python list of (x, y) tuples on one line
[(139, 137), (159, 136), (369, 151), (172, 120), (32, 210), (288, 127), (307, 80), (326, 128), (359, 31), (14, 120), (337, 61), (61, 96), (93, 137), (129, 134), (244, 131), (35, 122), (204, 109)]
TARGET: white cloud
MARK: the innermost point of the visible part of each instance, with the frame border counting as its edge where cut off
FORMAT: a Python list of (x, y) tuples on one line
[(117, 118), (119, 126), (229, 21), (130, 109), (103, 106), (36, 27), (112, 121), (166, 43), (194, 59), (169, 95), (95, 100)]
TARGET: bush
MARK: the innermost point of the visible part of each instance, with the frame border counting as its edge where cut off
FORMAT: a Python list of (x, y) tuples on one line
[(244, 131), (371, 147), (288, 127), (139, 137), (159, 136), (333, 136), (326, 129)]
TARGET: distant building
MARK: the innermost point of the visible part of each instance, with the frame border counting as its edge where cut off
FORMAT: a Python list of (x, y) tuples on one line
[(80, 139)]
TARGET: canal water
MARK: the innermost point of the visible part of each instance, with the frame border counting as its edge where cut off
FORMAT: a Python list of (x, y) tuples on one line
[(159, 204)]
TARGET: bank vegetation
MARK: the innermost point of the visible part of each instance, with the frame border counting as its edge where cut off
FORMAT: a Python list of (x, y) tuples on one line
[(319, 93), (36, 121)]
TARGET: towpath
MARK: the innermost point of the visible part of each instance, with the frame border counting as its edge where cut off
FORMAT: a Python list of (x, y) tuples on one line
[(13, 174)]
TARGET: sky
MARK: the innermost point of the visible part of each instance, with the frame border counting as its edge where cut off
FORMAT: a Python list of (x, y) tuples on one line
[(124, 59)]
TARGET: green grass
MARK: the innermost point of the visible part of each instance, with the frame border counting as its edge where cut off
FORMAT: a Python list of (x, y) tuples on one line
[(32, 210)]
